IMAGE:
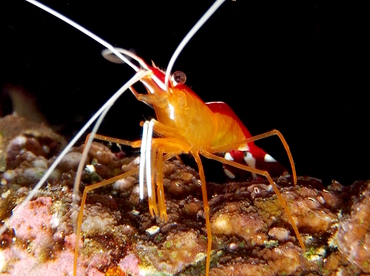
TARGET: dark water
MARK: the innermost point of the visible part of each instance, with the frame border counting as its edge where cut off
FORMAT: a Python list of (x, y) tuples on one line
[(299, 69)]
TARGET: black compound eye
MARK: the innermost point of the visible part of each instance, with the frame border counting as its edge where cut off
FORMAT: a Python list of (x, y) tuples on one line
[(178, 78)]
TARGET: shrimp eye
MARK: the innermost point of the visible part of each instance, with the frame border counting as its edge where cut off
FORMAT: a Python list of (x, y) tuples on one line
[(178, 78)]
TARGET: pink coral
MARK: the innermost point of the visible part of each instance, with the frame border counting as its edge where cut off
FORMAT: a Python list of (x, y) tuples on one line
[(354, 233), (39, 248)]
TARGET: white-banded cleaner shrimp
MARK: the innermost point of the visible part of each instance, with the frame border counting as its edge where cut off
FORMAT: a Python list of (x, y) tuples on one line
[(101, 111), (173, 146), (57, 55), (305, 39), (197, 90), (181, 133)]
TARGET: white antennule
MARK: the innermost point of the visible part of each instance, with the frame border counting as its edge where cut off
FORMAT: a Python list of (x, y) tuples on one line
[(143, 159), (190, 34), (148, 157), (107, 54)]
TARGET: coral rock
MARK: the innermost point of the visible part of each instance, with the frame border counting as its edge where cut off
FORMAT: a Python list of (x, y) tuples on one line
[(251, 232)]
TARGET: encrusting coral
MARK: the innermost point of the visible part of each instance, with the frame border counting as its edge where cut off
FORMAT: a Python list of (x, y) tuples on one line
[(251, 233)]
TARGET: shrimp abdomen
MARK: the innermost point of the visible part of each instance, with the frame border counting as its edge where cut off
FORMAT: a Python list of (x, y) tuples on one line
[(230, 128)]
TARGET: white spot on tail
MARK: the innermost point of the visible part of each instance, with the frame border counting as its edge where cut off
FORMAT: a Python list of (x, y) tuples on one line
[(251, 161), (228, 156), (229, 174), (244, 148), (269, 158)]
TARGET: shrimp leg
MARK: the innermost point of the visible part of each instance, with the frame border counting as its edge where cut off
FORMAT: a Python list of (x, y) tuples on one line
[(267, 175), (259, 137), (151, 200)]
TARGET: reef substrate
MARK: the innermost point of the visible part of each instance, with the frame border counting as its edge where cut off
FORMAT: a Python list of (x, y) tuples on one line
[(251, 233)]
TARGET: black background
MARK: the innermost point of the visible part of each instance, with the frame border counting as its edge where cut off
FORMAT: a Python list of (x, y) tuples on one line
[(301, 68)]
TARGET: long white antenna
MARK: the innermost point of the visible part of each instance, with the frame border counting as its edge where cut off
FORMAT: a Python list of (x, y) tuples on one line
[(190, 34)]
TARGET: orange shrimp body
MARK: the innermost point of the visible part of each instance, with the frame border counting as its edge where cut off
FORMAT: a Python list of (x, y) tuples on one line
[(182, 110), (186, 124), (204, 126), (230, 129)]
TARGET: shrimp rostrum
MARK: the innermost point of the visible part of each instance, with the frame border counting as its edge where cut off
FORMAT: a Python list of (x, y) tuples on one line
[(184, 124)]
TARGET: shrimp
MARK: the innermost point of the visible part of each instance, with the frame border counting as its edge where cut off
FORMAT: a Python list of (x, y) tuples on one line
[(184, 124)]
